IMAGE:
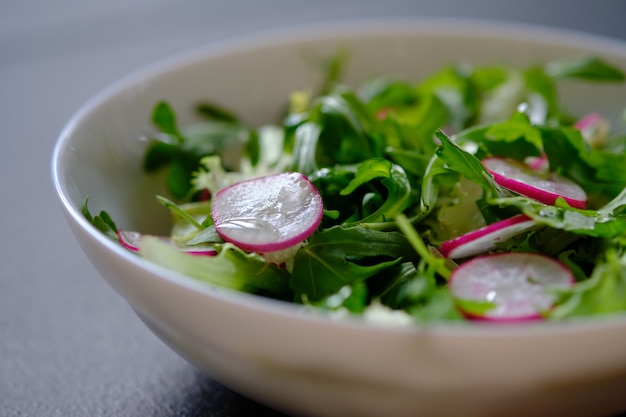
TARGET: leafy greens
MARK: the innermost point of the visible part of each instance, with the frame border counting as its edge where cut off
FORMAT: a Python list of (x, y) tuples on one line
[(393, 160)]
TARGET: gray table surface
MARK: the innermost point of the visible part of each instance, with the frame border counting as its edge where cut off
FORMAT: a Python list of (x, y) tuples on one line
[(69, 346)]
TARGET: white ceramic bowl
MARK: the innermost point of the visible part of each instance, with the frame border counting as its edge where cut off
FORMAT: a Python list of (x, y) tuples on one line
[(303, 363)]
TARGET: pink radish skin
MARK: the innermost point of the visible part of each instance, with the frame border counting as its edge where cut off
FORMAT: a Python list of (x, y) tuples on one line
[(588, 121), (485, 239), (594, 129), (538, 163), (519, 178), (517, 284), (131, 239), (268, 214)]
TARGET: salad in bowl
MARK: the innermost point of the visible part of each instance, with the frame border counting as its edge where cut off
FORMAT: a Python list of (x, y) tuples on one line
[(400, 218), (471, 194)]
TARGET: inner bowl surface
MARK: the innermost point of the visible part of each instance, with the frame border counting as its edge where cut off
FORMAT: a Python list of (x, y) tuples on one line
[(301, 362)]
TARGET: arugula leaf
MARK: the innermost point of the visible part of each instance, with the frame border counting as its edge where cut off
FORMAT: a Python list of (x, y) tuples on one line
[(381, 93), (514, 138), (415, 126), (436, 264), (164, 118), (343, 255), (392, 177), (542, 103), (180, 150), (306, 137), (158, 155), (214, 112), (593, 169), (103, 221), (604, 292), (488, 78), (590, 68), (466, 164), (333, 68), (583, 222), (435, 170), (416, 291), (453, 86), (347, 135)]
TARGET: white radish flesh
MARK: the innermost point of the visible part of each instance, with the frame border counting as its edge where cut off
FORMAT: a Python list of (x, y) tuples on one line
[(485, 239), (519, 286), (268, 214), (519, 178)]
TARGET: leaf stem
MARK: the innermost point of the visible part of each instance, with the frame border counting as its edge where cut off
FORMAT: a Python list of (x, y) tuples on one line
[(182, 213), (420, 247)]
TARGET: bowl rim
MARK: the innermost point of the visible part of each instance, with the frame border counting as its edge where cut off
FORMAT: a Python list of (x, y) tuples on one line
[(316, 31)]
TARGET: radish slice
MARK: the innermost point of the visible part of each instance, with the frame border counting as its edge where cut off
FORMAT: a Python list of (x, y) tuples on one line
[(517, 285), (485, 239), (268, 214), (547, 188), (588, 121), (131, 240), (594, 129)]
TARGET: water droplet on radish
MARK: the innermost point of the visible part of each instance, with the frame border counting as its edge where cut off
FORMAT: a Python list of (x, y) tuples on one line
[(249, 229)]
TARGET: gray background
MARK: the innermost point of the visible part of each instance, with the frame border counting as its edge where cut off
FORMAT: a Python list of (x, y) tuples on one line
[(69, 346)]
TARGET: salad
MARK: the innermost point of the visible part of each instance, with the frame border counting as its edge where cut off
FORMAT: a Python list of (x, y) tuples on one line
[(472, 194)]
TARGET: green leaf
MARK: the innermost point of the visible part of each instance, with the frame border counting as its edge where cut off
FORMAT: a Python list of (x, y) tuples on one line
[(334, 67), (588, 68), (441, 306), (211, 138), (353, 298), (541, 97), (583, 222), (183, 229), (595, 170), (420, 124), (414, 163), (231, 268), (437, 264), (477, 308), (466, 164), (214, 112), (347, 130), (430, 190), (342, 256), (179, 177), (103, 221), (175, 209), (306, 138), (395, 181), (514, 138), (158, 155), (453, 87), (384, 92), (164, 118), (490, 77)]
